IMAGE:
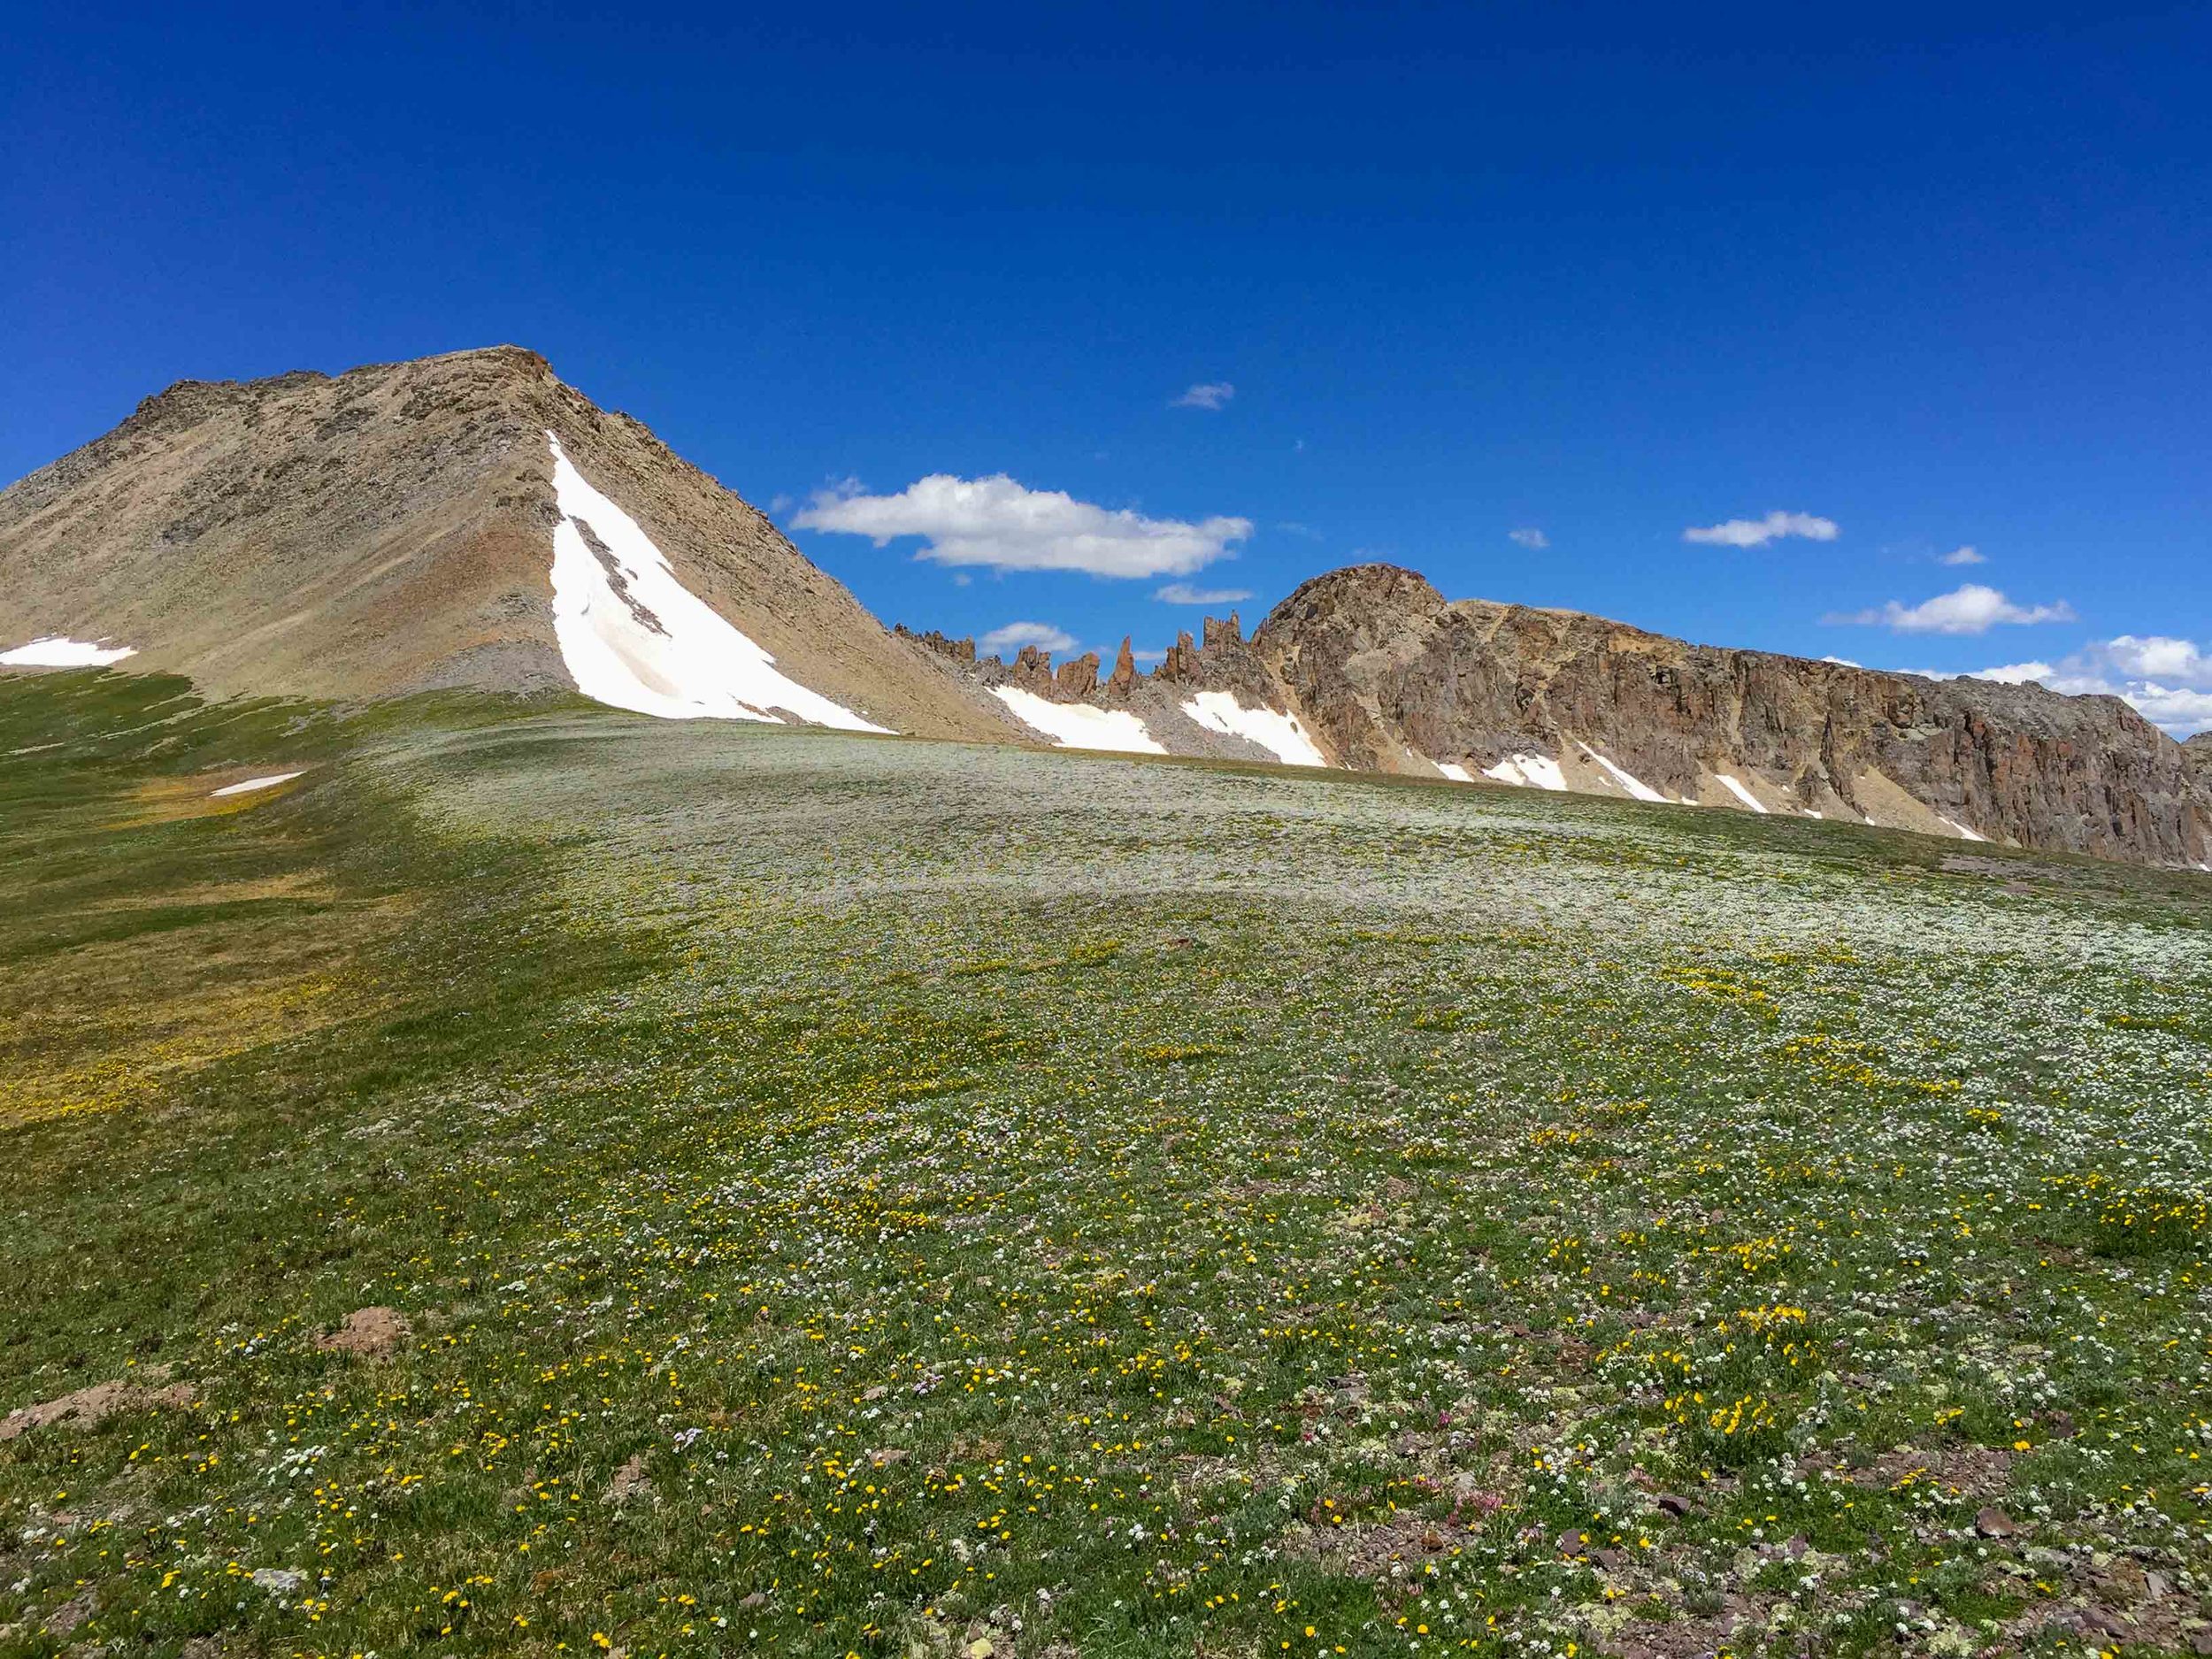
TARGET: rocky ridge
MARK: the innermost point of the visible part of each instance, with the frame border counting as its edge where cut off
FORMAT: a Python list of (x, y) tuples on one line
[(1386, 675)]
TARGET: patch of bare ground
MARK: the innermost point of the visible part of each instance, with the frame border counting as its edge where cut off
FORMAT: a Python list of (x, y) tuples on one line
[(88, 1408), (1973, 1472), (367, 1333)]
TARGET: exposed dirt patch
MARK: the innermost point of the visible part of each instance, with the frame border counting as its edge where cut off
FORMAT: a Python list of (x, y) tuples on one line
[(88, 1407), (370, 1333)]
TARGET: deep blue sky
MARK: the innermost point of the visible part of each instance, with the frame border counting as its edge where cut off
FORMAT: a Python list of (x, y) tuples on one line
[(1940, 275)]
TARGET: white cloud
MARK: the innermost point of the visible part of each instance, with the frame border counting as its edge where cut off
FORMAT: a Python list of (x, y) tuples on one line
[(1972, 608), (1292, 527), (2178, 711), (2015, 674), (1963, 555), (996, 522), (1206, 394), (1759, 532), (1013, 635), (1842, 662), (2155, 656), (1184, 593), (1529, 538)]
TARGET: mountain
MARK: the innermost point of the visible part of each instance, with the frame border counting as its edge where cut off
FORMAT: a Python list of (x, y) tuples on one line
[(469, 520), (1371, 668), (459, 520)]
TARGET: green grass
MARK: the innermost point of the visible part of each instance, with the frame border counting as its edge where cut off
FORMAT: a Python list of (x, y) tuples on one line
[(1175, 1209)]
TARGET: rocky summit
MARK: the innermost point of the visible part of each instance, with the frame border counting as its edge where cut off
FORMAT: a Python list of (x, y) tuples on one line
[(469, 520)]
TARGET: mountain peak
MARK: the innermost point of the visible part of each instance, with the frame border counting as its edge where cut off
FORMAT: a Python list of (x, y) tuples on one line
[(392, 528)]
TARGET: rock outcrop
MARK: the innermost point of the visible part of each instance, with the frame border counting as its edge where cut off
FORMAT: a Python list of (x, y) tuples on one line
[(1379, 664)]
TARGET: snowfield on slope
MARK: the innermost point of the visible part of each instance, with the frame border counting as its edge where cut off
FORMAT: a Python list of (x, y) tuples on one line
[(1735, 787), (53, 651), (1641, 791), (1529, 771), (1280, 734), (1078, 725), (634, 636), (252, 784)]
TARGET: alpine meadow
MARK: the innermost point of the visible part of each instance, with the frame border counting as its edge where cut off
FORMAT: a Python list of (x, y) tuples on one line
[(1247, 830), (540, 1179)]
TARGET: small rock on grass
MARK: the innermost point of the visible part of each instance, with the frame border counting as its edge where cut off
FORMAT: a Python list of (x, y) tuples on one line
[(629, 1481)]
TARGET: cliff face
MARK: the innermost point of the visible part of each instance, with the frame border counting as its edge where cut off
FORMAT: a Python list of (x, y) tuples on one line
[(392, 529), (1381, 665)]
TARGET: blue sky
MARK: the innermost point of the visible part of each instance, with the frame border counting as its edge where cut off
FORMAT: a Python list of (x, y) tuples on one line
[(1930, 277)]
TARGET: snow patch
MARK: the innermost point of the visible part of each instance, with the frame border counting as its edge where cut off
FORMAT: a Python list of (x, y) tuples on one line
[(1739, 791), (1457, 773), (53, 651), (1959, 829), (252, 784), (1641, 791), (1078, 725), (1529, 771), (1280, 734), (634, 636)]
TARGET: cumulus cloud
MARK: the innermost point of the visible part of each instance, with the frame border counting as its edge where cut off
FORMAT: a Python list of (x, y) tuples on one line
[(1013, 635), (1972, 608), (1206, 394), (2016, 673), (1184, 593), (1842, 662), (1963, 555), (1759, 532), (1003, 525), (1529, 538), (2155, 656)]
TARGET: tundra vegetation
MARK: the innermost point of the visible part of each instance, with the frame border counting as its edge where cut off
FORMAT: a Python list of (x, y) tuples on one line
[(544, 1180)]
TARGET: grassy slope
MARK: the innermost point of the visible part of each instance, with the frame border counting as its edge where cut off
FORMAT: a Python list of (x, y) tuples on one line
[(1176, 1208)]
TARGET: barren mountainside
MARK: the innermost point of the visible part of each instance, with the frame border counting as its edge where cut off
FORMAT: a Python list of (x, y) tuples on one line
[(392, 529), (470, 520)]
